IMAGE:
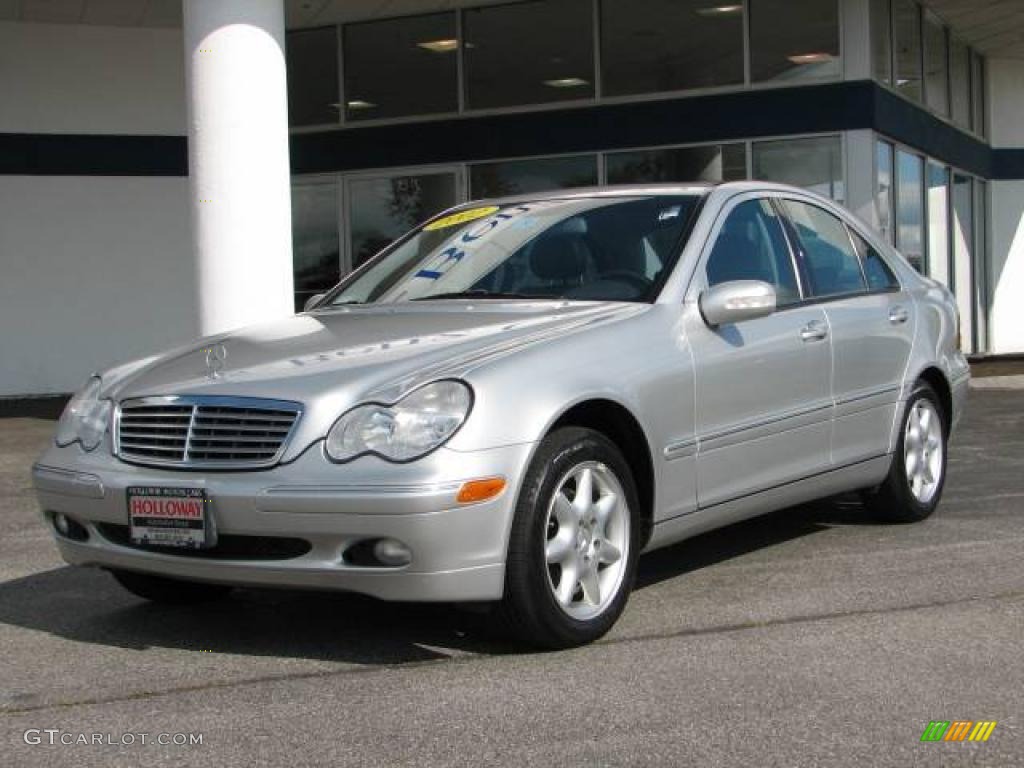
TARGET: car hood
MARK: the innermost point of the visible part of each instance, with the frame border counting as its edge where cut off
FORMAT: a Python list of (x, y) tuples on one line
[(329, 360)]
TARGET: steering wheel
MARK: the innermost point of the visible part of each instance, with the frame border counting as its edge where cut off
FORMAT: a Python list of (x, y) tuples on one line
[(639, 282)]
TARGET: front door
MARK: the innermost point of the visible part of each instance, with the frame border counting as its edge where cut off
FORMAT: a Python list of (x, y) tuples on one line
[(763, 399), (381, 207)]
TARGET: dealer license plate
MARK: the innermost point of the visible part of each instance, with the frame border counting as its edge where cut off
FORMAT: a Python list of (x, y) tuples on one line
[(169, 517)]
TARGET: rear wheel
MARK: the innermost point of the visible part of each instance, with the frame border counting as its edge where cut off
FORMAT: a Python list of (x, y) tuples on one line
[(914, 485), (161, 589), (572, 550)]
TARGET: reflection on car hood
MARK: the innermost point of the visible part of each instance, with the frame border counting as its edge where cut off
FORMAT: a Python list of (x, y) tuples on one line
[(375, 351)]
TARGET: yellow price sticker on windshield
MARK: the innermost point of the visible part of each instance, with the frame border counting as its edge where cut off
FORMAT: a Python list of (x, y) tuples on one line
[(461, 218)]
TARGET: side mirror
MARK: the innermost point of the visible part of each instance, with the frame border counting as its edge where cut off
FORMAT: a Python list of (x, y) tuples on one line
[(735, 301), (312, 301)]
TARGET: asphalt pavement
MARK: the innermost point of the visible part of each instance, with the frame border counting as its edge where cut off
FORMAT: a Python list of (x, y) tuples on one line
[(807, 637)]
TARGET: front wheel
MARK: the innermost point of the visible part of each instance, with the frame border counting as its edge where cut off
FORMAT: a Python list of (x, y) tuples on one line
[(573, 546), (912, 490)]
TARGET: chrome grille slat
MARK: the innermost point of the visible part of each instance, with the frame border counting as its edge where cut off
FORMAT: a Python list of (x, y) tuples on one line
[(241, 428), (275, 441), (232, 451), (205, 432)]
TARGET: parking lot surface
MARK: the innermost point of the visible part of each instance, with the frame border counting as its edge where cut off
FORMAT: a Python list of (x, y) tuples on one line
[(809, 637)]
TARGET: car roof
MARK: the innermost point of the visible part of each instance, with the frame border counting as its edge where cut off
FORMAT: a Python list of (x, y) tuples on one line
[(633, 190)]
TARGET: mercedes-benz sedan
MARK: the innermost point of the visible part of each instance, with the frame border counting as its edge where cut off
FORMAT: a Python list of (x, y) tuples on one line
[(513, 401)]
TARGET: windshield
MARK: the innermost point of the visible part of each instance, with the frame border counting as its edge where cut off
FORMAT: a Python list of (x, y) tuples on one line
[(588, 249)]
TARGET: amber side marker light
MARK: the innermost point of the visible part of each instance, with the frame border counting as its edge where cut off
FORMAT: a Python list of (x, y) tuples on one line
[(475, 491)]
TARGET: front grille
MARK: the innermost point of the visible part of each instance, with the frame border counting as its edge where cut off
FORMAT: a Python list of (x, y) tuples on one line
[(229, 546), (204, 432)]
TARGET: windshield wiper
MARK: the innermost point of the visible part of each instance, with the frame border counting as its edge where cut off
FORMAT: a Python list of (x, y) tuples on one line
[(483, 293)]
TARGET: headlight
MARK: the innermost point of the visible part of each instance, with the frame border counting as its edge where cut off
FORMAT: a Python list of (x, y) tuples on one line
[(409, 429), (85, 417)]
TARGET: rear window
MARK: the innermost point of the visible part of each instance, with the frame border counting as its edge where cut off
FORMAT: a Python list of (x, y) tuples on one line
[(880, 276), (832, 265)]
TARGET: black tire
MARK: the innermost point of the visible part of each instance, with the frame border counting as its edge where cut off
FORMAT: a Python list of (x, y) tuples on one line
[(529, 608), (894, 501), (160, 589)]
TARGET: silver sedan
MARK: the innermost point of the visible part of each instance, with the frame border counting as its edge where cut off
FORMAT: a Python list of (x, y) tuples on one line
[(513, 401)]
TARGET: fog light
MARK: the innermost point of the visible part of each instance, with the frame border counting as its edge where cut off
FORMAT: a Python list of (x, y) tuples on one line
[(69, 528), (392, 552)]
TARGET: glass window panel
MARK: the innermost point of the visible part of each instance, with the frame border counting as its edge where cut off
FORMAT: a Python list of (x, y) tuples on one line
[(529, 53), (963, 256), (815, 164), (960, 81), (405, 66), (938, 222), (752, 246), (513, 177), (881, 40), (878, 273), (669, 45), (383, 209), (907, 34), (978, 94), (832, 264), (713, 163), (793, 39), (910, 208), (935, 65), (314, 239), (312, 59), (884, 188)]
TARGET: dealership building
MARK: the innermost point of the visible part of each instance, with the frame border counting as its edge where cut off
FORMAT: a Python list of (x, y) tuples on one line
[(170, 169)]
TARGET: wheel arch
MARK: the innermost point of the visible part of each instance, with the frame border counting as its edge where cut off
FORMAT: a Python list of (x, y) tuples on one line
[(936, 379), (617, 422)]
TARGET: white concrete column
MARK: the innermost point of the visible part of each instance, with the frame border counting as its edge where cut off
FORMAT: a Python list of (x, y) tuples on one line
[(239, 178), (1005, 99)]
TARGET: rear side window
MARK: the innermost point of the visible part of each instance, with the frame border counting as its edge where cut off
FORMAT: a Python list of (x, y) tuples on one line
[(832, 265), (878, 273), (752, 246)]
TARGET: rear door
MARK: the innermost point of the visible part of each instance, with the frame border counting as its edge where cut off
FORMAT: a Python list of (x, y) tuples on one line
[(763, 404), (871, 324)]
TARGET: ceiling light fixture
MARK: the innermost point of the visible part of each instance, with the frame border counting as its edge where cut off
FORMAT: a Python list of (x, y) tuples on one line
[(720, 10), (446, 45), (810, 58), (567, 82), (360, 104)]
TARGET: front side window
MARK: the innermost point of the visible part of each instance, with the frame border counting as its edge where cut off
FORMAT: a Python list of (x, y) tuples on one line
[(585, 249), (751, 245), (828, 255)]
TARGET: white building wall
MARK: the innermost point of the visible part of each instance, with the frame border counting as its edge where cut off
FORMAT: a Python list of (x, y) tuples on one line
[(83, 79), (1006, 263), (92, 269), (95, 270)]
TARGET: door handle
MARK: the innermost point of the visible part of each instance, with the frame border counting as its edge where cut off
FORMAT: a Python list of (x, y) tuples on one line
[(814, 331), (898, 315)]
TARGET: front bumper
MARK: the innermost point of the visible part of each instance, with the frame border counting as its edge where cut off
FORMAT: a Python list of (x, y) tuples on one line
[(458, 551)]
